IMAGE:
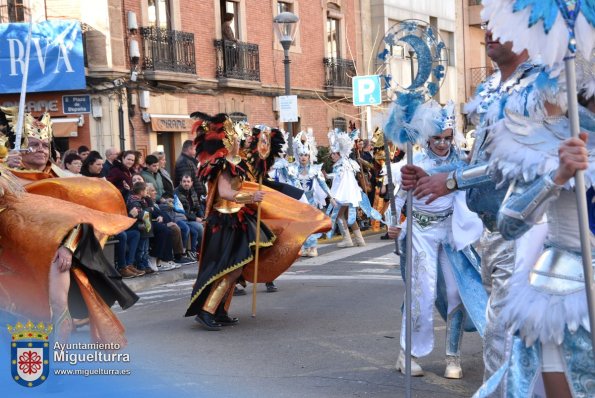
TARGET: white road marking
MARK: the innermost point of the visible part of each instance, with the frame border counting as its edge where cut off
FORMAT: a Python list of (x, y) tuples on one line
[(339, 254)]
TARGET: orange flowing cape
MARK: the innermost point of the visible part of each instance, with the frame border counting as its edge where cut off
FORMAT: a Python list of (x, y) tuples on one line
[(292, 222), (33, 225)]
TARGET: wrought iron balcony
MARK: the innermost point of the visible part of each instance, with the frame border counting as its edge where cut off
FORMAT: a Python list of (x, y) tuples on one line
[(338, 72), (478, 75), (237, 60), (168, 50)]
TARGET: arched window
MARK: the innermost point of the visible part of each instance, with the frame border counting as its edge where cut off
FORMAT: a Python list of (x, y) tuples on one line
[(340, 123)]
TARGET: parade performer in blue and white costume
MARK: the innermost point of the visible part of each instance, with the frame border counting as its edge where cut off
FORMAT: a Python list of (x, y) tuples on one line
[(308, 177), (546, 303), (520, 86), (279, 172), (437, 235), (346, 194)]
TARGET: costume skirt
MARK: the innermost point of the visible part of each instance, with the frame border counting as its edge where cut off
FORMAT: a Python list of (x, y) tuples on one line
[(228, 244)]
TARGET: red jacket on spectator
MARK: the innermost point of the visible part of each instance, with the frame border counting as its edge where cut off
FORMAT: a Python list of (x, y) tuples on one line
[(118, 175)]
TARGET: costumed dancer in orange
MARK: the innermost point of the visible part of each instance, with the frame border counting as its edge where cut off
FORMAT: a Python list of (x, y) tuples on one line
[(229, 237), (51, 230)]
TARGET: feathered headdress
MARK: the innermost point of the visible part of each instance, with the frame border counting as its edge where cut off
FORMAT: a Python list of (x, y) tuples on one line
[(304, 143), (427, 121), (448, 116), (215, 138), (340, 142), (266, 145)]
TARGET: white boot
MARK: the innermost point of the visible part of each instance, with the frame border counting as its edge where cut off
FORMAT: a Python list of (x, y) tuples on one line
[(313, 252), (416, 370), (453, 367), (346, 242), (359, 239)]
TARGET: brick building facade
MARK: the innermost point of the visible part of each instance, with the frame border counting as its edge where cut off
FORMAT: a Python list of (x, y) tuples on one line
[(183, 65)]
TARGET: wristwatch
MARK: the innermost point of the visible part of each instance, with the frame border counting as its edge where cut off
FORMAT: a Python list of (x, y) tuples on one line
[(451, 182)]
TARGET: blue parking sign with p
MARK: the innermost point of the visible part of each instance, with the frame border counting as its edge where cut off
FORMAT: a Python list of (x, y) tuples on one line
[(366, 90)]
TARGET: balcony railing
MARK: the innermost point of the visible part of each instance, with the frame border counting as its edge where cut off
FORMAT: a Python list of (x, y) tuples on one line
[(237, 60), (338, 72), (168, 50), (478, 75)]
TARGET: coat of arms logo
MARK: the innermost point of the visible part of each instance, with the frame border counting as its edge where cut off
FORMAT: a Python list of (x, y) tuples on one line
[(30, 353)]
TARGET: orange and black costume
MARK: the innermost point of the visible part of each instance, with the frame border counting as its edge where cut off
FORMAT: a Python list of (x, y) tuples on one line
[(230, 231), (35, 221)]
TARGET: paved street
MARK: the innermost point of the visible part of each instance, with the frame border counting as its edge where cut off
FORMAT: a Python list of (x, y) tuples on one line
[(330, 331)]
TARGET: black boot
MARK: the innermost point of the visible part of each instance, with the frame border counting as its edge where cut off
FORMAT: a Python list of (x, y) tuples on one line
[(271, 288), (207, 321), (226, 320)]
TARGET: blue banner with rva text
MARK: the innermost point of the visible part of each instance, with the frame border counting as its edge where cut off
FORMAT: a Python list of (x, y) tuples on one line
[(56, 60)]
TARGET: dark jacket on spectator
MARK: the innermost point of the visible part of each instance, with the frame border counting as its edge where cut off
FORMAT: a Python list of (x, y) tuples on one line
[(119, 174), (106, 168), (188, 165), (142, 206), (192, 205), (168, 184)]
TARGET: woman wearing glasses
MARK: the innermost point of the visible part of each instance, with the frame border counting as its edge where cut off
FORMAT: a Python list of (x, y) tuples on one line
[(432, 243)]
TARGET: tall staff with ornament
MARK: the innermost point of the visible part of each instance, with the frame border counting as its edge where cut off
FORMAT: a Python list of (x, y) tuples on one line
[(424, 45)]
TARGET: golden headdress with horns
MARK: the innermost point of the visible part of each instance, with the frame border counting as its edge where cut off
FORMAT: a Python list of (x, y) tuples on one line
[(32, 127)]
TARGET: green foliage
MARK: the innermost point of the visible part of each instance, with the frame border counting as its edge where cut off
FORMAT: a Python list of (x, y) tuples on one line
[(324, 157)]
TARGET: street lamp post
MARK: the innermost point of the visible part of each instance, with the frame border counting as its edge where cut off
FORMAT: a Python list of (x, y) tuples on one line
[(285, 29)]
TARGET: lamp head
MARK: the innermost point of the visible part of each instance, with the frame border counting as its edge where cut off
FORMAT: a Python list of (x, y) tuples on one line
[(286, 27)]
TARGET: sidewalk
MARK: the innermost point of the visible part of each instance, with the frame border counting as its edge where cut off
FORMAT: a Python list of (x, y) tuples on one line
[(190, 271)]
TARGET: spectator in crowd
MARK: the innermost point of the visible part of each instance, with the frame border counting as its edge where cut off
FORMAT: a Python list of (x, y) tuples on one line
[(168, 184), (92, 165), (66, 153), (121, 174), (193, 208), (190, 232), (126, 247), (151, 175), (111, 154), (187, 164), (126, 241), (139, 162), (193, 211), (227, 30), (174, 249), (73, 163), (83, 151), (136, 201)]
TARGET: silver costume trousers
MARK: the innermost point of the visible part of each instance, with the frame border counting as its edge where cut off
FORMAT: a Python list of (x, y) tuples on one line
[(497, 265)]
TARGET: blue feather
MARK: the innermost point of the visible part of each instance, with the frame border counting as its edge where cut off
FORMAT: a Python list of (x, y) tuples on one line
[(402, 111), (387, 80), (588, 10), (546, 10), (384, 54)]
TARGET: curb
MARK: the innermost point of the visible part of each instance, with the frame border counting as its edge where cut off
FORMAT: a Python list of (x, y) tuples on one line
[(190, 271)]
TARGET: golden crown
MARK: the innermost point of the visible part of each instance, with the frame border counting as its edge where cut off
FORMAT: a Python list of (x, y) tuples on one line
[(30, 331), (40, 129)]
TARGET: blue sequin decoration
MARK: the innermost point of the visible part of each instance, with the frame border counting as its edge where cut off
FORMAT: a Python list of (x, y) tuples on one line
[(432, 88), (384, 54)]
